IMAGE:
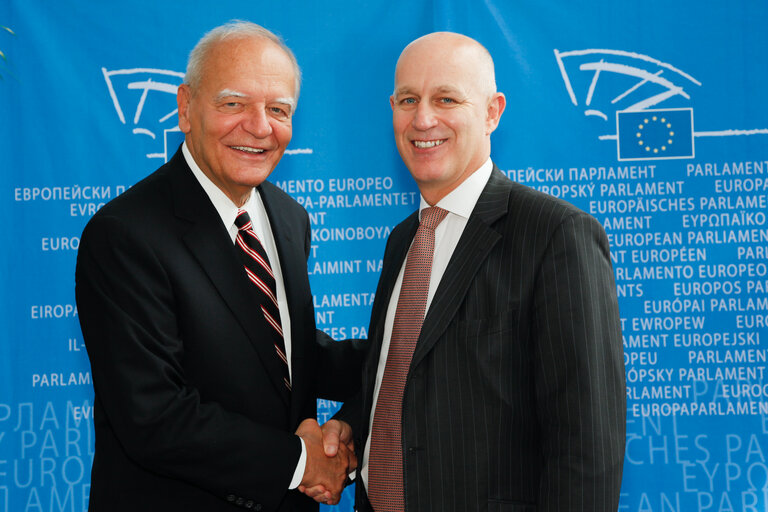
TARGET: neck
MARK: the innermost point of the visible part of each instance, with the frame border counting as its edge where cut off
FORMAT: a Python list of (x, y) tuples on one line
[(239, 200)]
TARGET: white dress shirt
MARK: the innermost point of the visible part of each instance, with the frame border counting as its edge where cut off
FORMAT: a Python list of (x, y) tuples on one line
[(459, 203), (255, 208)]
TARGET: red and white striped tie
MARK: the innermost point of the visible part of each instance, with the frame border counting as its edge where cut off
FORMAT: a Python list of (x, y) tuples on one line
[(260, 274), (385, 465)]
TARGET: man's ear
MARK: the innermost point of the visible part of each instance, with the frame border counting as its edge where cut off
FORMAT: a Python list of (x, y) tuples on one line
[(183, 96), (495, 108)]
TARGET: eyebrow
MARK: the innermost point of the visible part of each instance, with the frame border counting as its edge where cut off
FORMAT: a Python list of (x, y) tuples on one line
[(288, 101), (401, 91), (442, 89), (448, 89), (229, 93)]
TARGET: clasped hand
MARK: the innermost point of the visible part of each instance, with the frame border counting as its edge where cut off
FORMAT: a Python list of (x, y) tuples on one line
[(330, 459)]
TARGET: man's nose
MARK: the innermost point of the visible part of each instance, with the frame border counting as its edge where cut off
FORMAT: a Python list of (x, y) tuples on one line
[(424, 117), (257, 123)]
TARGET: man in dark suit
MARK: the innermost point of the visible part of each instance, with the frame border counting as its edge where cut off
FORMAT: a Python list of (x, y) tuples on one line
[(510, 394), (203, 364)]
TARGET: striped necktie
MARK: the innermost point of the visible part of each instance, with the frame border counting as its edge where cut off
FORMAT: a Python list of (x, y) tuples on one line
[(385, 465), (259, 272)]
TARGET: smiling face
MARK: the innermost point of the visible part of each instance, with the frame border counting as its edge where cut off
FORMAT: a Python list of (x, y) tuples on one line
[(444, 109), (237, 120)]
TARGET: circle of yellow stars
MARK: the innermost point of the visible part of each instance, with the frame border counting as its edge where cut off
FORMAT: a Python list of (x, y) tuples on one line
[(654, 119)]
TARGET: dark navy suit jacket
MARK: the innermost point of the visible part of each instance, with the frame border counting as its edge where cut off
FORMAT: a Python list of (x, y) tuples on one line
[(190, 410)]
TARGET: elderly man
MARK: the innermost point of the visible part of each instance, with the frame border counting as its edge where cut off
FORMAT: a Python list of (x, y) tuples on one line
[(495, 376), (196, 309)]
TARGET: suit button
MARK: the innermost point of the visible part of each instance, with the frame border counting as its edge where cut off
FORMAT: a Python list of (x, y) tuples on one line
[(249, 504), (231, 498)]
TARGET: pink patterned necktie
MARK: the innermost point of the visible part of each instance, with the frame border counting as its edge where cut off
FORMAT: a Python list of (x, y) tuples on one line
[(259, 272), (385, 465)]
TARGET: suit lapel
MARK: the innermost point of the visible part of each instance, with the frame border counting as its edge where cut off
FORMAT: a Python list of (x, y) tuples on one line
[(475, 244), (209, 242)]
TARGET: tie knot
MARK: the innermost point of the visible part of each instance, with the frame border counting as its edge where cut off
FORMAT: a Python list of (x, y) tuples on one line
[(243, 220), (432, 216)]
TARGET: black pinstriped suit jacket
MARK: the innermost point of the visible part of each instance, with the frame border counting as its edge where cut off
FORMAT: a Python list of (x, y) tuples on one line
[(515, 398)]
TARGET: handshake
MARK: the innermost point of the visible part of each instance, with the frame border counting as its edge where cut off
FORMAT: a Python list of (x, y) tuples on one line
[(330, 459)]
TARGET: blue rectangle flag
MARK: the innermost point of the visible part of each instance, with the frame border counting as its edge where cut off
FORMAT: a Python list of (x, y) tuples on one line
[(655, 134)]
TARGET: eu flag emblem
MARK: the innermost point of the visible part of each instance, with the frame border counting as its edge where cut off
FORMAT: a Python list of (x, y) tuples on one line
[(655, 134)]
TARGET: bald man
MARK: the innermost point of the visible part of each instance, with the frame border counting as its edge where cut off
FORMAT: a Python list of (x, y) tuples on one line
[(495, 377)]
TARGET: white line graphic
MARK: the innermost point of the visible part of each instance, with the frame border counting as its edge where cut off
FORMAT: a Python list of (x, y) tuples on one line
[(645, 90)]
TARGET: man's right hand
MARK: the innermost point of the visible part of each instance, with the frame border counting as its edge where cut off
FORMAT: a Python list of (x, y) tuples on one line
[(327, 467), (337, 442)]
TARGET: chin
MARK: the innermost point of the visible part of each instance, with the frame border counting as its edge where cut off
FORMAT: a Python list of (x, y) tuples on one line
[(427, 174), (255, 175)]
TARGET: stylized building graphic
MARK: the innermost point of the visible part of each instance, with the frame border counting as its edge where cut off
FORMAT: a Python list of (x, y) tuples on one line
[(625, 86)]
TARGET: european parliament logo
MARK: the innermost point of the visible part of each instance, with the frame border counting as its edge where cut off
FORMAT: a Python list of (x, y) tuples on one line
[(655, 134), (632, 86)]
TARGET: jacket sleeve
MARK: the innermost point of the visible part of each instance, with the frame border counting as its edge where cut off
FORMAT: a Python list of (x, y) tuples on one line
[(579, 370), (340, 367), (339, 363)]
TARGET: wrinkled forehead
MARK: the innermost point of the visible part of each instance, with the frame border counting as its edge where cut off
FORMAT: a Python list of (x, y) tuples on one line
[(244, 60)]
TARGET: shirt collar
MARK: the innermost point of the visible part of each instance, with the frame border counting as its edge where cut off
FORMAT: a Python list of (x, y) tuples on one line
[(461, 200), (223, 204)]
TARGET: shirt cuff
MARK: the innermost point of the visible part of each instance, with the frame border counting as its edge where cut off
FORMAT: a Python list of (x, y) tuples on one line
[(298, 475)]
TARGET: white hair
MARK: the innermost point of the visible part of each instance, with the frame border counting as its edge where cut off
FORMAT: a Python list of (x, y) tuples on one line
[(235, 29)]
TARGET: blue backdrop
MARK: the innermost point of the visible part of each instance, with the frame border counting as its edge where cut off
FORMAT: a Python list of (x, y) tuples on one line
[(650, 115)]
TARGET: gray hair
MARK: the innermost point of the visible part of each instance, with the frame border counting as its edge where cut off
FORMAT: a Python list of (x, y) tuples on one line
[(235, 29)]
